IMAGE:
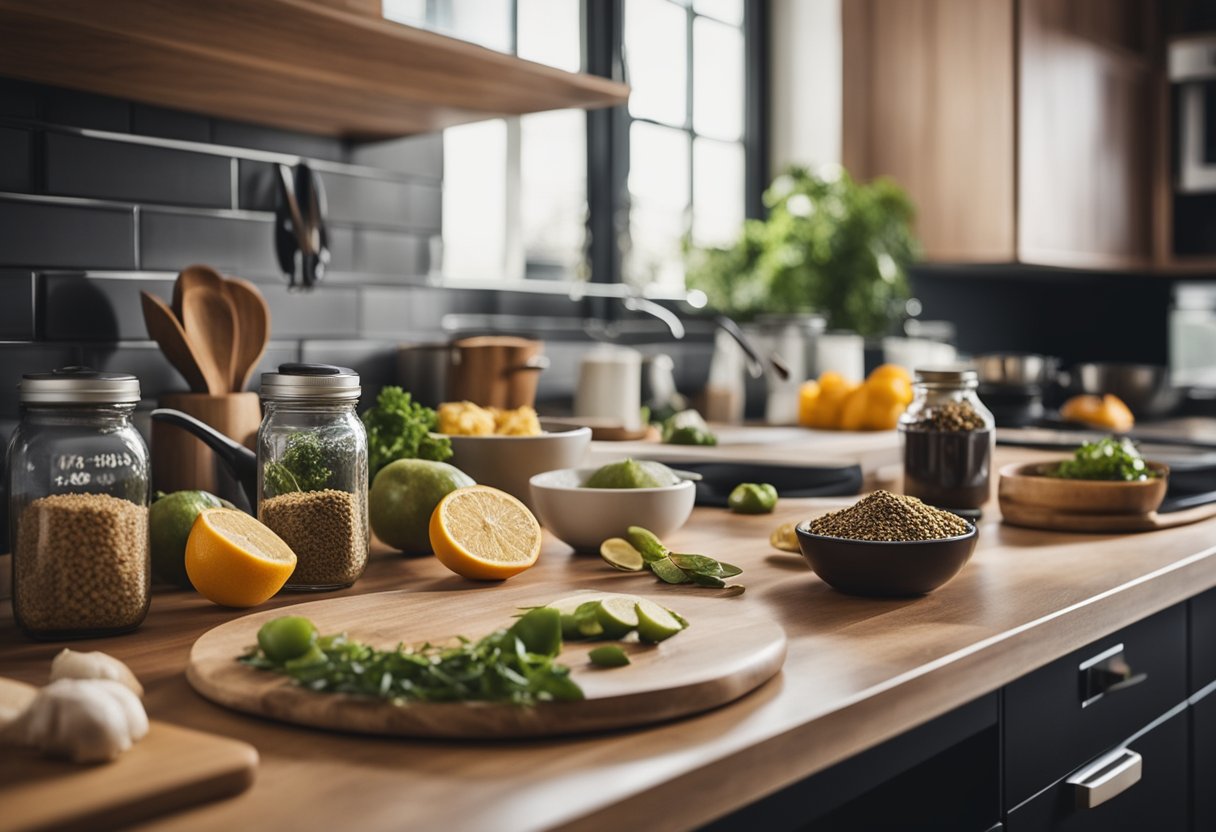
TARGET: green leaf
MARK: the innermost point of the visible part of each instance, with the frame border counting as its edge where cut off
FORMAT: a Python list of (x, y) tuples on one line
[(400, 428), (666, 571)]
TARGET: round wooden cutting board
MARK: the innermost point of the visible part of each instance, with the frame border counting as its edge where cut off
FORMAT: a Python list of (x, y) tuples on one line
[(727, 651)]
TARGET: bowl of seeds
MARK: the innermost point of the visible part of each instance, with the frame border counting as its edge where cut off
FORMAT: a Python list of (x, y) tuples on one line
[(886, 545)]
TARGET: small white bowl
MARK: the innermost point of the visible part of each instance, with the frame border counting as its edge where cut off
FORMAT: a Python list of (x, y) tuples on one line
[(586, 517), (507, 462)]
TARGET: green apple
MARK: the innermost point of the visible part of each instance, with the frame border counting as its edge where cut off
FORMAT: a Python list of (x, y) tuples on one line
[(169, 522), (403, 497)]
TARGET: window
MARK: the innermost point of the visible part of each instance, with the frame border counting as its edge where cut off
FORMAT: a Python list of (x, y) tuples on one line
[(516, 191)]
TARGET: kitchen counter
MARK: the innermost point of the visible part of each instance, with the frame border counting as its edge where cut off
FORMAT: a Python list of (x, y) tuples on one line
[(859, 672)]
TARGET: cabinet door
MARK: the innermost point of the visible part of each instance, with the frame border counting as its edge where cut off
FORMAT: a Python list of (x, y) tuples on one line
[(1203, 756), (1157, 801), (1084, 133), (929, 101)]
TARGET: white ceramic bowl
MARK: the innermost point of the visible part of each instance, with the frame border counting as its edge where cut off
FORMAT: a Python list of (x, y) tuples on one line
[(585, 517), (508, 462)]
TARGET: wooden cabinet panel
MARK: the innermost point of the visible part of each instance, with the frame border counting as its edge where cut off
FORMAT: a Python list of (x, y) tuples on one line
[(1084, 194), (1021, 129), (928, 101)]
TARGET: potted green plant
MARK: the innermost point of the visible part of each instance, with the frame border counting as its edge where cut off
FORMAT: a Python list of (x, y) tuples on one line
[(829, 246)]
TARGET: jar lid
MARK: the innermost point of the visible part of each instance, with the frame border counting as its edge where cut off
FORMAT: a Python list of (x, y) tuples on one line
[(311, 381), (79, 385), (946, 376)]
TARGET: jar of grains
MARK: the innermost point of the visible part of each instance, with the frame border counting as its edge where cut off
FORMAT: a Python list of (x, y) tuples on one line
[(78, 506), (312, 472), (947, 437)]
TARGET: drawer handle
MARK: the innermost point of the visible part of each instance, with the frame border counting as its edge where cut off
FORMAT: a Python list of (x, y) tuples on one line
[(1107, 777), (1108, 672)]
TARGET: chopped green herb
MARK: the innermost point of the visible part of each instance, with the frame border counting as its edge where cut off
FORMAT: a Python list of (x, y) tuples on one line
[(608, 656), (1106, 459), (400, 428), (304, 466)]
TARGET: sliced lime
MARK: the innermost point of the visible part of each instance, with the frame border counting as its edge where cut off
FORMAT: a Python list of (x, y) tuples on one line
[(683, 621), (618, 616), (655, 624), (587, 617), (646, 542), (620, 554), (608, 656)]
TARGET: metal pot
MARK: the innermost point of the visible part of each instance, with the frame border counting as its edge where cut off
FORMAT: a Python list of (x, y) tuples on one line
[(1145, 388), (1016, 369)]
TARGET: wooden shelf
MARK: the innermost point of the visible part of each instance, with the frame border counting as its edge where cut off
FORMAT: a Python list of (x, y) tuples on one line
[(293, 64)]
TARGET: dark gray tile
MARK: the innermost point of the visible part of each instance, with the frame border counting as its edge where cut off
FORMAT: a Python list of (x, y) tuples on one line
[(383, 202), (239, 245), (255, 185), (391, 253), (80, 308), (16, 160), (558, 380), (17, 287), (325, 312), (415, 313), (415, 155), (18, 99), (70, 236), (18, 359), (277, 352), (341, 249), (239, 134), (169, 124), (84, 109), (80, 166), (143, 359), (374, 361)]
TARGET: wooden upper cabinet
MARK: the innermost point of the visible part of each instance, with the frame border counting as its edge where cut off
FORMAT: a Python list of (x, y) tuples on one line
[(1020, 128)]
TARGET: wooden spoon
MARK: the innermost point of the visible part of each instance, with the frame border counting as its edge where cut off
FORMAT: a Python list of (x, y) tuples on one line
[(166, 330), (190, 277), (209, 319), (253, 328)]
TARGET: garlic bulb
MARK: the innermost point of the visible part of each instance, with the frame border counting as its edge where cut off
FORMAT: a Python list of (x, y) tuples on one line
[(85, 720), (70, 664)]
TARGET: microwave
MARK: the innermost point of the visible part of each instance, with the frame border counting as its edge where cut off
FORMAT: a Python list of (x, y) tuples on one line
[(1192, 70)]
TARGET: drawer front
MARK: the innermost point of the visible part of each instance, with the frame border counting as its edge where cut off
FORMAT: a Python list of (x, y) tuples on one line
[(1203, 760), (1203, 640), (1049, 728), (1157, 801)]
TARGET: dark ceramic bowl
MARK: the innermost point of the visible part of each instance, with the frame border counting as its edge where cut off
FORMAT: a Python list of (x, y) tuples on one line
[(882, 568)]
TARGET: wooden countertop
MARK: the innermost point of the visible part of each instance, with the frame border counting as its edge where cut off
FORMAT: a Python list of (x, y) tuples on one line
[(859, 672)]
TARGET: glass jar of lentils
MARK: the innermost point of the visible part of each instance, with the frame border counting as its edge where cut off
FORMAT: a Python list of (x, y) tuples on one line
[(78, 506), (947, 436), (312, 472)]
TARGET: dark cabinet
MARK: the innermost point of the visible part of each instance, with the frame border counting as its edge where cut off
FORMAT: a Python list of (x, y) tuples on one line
[(1203, 760), (1157, 801), (1203, 640), (1087, 702)]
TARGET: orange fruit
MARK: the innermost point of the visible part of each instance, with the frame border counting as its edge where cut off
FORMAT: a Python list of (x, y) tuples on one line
[(854, 410), (808, 396), (1117, 414), (485, 534), (1107, 412), (890, 371), (234, 560), (884, 417), (889, 390)]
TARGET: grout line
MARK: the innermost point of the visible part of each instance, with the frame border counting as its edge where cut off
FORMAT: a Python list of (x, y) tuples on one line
[(136, 223)]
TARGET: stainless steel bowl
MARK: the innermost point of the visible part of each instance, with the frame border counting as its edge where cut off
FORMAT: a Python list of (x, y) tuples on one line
[(1145, 388), (1016, 369)]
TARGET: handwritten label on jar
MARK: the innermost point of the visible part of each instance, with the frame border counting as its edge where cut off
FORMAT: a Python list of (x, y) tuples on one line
[(99, 469)]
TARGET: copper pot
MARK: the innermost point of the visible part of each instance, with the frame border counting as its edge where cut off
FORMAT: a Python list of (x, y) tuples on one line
[(496, 371)]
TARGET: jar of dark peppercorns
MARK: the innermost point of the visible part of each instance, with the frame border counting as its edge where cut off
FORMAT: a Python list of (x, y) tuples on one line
[(947, 436), (78, 506)]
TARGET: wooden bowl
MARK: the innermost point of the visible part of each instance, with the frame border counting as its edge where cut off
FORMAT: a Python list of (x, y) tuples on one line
[(880, 568), (1028, 485)]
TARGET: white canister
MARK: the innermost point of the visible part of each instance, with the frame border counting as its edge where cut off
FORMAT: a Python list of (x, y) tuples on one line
[(610, 386)]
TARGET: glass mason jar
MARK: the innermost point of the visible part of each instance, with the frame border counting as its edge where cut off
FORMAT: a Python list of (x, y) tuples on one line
[(947, 436), (78, 506), (312, 472)]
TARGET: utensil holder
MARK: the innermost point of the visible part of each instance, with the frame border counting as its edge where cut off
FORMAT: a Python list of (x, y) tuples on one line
[(181, 461)]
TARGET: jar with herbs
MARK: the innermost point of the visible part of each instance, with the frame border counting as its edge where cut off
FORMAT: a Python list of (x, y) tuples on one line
[(312, 472), (78, 506), (947, 436)]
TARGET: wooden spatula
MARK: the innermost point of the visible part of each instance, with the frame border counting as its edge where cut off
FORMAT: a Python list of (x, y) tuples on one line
[(253, 329), (209, 319), (190, 277), (166, 330)]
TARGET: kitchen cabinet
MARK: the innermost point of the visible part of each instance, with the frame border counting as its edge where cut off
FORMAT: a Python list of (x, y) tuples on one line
[(1021, 129), (1203, 761), (329, 67)]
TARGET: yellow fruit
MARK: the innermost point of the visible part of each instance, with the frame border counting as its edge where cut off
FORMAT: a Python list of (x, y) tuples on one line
[(1118, 415), (833, 381), (808, 396), (884, 417), (853, 411), (833, 390), (485, 534), (1107, 412), (234, 560), (890, 371), (889, 390)]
